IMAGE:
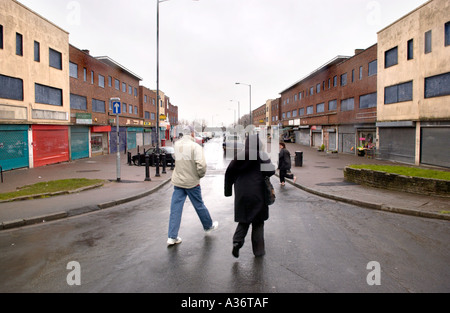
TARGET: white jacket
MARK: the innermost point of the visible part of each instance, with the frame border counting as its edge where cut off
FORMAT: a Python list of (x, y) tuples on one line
[(190, 163)]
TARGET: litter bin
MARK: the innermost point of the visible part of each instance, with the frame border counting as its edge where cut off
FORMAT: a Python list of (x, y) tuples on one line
[(163, 142), (298, 158)]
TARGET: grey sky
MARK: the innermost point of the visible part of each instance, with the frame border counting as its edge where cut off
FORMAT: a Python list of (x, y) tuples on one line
[(206, 46)]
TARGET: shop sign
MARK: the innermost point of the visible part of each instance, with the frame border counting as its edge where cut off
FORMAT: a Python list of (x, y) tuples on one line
[(84, 118)]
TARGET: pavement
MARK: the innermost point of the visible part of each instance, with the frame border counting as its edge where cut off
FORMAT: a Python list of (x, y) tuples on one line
[(321, 174)]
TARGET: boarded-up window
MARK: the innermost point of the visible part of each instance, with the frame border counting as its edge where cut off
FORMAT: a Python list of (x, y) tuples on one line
[(98, 106), (11, 88), (437, 86), (398, 93), (55, 59), (48, 95), (368, 101), (78, 102)]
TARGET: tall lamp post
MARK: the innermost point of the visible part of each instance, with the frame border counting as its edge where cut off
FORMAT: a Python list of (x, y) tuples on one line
[(251, 121)]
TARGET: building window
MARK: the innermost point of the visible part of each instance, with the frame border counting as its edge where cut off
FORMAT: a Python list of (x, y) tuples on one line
[(294, 113), (101, 81), (92, 77), (11, 88), (135, 92), (310, 110), (98, 106), (300, 96), (109, 81), (332, 105), (447, 34), (335, 81), (289, 114), (318, 88), (55, 59), (73, 70), (136, 110), (373, 68), (368, 101), (428, 42), (284, 116), (117, 84), (37, 51), (295, 97), (130, 109), (124, 108), (437, 86), (78, 102), (19, 44), (153, 116), (85, 74), (301, 112), (1, 36), (348, 104), (147, 115), (130, 90), (410, 52), (360, 72), (353, 76), (320, 108), (398, 93), (344, 79), (145, 98), (311, 91), (391, 57), (48, 95)]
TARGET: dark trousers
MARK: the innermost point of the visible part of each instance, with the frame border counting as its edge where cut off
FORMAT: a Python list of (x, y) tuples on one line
[(284, 175), (257, 237)]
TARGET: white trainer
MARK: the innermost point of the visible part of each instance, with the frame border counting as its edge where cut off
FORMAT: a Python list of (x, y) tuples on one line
[(172, 242), (213, 228)]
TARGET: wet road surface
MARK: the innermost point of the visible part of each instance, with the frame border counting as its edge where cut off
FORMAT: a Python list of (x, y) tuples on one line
[(312, 245)]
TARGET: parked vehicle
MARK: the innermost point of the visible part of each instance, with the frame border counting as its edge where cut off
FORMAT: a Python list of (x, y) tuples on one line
[(232, 143), (169, 151)]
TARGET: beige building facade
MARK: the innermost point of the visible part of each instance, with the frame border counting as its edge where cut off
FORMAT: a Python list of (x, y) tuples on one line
[(413, 86), (34, 89)]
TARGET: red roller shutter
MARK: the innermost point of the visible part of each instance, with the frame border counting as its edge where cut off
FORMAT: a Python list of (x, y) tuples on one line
[(50, 144)]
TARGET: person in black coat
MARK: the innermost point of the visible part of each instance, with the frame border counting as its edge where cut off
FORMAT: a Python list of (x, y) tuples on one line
[(247, 173), (284, 164)]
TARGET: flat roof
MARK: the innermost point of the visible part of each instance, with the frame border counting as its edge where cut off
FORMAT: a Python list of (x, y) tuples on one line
[(334, 61), (107, 60)]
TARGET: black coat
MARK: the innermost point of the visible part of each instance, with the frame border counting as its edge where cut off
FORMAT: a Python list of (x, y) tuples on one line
[(284, 160), (247, 176)]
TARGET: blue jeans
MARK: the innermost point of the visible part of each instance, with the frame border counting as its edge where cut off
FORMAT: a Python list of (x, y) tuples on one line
[(176, 209)]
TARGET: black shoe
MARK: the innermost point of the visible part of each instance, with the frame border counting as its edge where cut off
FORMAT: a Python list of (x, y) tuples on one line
[(236, 248)]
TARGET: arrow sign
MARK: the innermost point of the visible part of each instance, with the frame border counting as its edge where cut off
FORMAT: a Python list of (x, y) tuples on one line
[(117, 107)]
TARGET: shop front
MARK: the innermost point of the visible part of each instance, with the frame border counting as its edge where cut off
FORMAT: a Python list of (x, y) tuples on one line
[(99, 140), (50, 144), (13, 147), (79, 142)]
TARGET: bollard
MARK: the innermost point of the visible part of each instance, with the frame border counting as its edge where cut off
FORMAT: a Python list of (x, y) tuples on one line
[(129, 158), (157, 165), (163, 160), (298, 158), (147, 168), (1, 172)]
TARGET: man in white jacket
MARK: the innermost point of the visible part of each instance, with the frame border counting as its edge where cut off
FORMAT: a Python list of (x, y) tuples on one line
[(190, 167)]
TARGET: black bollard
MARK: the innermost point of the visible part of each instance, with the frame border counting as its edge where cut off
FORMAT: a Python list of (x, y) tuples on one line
[(129, 158), (163, 160), (147, 168), (1, 171), (157, 166)]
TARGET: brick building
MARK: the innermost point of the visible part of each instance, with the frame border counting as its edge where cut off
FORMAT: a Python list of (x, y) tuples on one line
[(335, 105), (93, 82)]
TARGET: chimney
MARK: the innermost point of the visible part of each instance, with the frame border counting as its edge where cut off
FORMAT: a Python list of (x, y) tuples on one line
[(358, 51), (86, 51)]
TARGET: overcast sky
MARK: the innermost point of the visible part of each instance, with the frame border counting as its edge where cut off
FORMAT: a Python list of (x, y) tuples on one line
[(206, 46)]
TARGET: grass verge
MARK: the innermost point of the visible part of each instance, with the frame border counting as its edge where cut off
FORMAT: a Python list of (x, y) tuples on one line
[(50, 187), (406, 171)]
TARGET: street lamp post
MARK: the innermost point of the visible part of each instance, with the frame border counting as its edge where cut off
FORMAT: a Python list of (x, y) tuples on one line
[(250, 86)]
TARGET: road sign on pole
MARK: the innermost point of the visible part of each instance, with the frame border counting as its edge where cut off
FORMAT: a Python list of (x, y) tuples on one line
[(116, 104)]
